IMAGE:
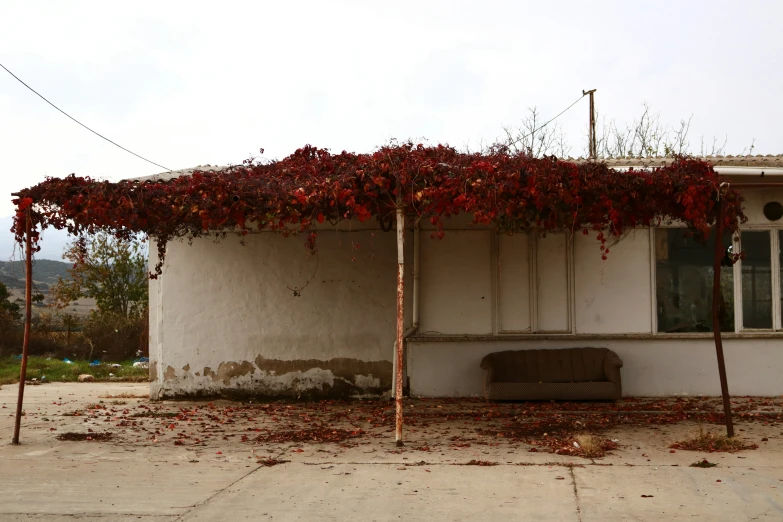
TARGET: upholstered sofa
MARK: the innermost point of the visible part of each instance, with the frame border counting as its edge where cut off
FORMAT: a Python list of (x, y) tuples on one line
[(560, 374)]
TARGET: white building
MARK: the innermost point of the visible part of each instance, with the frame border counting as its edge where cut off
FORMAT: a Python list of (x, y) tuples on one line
[(266, 318)]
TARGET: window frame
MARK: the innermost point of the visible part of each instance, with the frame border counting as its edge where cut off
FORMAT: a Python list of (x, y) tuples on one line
[(774, 233)]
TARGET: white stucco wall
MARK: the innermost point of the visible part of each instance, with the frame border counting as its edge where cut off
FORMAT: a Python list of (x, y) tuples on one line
[(456, 277), (224, 317), (613, 295)]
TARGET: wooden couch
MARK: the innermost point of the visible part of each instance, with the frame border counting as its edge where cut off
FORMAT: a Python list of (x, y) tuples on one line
[(563, 374)]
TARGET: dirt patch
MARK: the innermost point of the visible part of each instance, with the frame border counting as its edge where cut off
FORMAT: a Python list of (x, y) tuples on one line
[(478, 463), (90, 437), (125, 395), (269, 462), (557, 434), (552, 464), (155, 414), (317, 435)]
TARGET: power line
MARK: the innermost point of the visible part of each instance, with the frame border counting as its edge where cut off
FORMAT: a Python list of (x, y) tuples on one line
[(553, 119), (80, 123)]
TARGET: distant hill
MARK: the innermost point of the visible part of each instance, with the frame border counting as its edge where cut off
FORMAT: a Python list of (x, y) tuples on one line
[(52, 243), (45, 273)]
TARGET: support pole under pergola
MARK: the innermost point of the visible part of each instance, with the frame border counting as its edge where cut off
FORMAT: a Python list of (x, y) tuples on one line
[(398, 352), (716, 300), (28, 293)]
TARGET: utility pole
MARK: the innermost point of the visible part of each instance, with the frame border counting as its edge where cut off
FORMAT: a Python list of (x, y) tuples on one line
[(591, 145)]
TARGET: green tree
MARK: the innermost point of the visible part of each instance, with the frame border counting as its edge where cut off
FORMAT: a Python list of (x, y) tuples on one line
[(7, 307), (107, 269)]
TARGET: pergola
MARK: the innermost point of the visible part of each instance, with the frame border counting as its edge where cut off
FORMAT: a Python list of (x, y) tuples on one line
[(393, 184)]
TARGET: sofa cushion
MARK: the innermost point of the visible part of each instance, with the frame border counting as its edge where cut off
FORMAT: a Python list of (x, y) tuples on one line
[(515, 366), (524, 391), (555, 365), (588, 364)]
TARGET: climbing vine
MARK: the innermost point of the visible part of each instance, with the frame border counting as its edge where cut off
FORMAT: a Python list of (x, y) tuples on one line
[(313, 186)]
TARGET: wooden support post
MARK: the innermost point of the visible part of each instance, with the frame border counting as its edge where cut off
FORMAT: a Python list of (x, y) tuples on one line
[(399, 345), (28, 293), (716, 300), (592, 152)]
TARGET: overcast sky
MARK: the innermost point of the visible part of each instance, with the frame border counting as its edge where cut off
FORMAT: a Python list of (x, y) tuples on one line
[(191, 83)]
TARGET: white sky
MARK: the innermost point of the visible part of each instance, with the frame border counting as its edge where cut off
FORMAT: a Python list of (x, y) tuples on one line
[(189, 83)]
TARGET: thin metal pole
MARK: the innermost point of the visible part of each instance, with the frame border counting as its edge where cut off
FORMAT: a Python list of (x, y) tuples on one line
[(399, 345), (724, 384), (593, 152), (28, 291)]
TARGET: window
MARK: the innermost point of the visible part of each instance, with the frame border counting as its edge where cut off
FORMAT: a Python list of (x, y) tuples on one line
[(756, 280), (684, 271), (684, 266)]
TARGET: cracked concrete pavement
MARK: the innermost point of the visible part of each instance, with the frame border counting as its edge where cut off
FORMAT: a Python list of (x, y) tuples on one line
[(130, 479)]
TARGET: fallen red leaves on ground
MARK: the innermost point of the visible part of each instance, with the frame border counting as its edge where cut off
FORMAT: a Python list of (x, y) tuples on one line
[(437, 425)]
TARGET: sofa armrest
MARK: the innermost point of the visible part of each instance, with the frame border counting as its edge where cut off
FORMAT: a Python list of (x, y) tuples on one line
[(488, 371), (612, 365), (488, 365)]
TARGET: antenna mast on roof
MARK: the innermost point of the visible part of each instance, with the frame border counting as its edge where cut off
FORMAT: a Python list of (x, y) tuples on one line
[(592, 153)]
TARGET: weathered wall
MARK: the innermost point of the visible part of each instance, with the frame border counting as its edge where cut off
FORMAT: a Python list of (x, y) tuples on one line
[(650, 367), (613, 295), (224, 318)]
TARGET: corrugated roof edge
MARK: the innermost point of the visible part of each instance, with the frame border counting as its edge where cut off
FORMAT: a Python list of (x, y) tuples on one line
[(165, 176), (768, 161)]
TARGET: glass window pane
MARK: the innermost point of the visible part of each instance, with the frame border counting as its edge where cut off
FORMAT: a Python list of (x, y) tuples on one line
[(756, 280), (683, 280)]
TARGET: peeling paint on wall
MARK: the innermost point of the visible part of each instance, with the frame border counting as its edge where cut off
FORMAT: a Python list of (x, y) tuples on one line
[(229, 370), (341, 367), (170, 374), (339, 377)]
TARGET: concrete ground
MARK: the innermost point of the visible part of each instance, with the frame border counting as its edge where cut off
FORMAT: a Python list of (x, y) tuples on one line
[(209, 461)]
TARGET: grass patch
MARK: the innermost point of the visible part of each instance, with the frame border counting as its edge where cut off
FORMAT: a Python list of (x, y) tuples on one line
[(592, 446), (56, 370), (703, 464), (712, 443)]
